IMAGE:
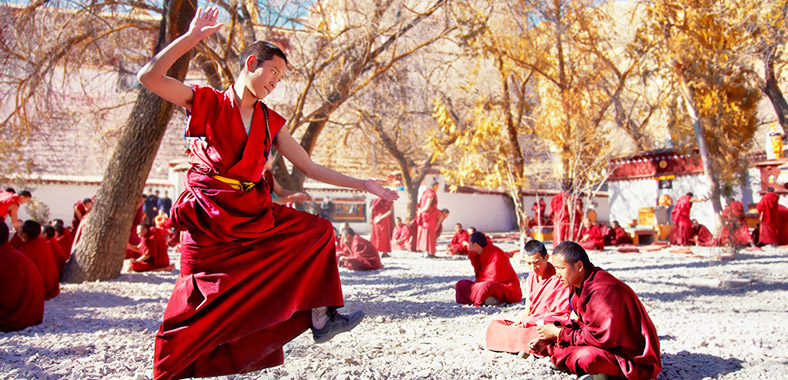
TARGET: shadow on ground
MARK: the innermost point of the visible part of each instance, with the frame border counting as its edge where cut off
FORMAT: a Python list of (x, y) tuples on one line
[(690, 365)]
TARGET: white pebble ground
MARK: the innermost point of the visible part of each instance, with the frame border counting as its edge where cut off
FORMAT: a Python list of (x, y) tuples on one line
[(716, 319)]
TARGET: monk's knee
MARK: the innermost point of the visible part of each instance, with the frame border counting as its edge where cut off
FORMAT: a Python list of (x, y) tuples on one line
[(594, 360)]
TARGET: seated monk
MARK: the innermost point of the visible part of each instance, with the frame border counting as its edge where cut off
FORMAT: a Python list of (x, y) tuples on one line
[(22, 298), (400, 238), (617, 235), (591, 237), (152, 250), (58, 254), (358, 253), (458, 244), (735, 230), (63, 236), (547, 301), (495, 283), (701, 235), (40, 253), (611, 335)]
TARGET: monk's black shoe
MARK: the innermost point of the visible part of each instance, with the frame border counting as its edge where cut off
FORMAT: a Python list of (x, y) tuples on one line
[(337, 323)]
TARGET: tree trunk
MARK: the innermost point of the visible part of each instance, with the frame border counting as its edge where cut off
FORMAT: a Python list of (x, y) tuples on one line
[(100, 252), (772, 90), (689, 102)]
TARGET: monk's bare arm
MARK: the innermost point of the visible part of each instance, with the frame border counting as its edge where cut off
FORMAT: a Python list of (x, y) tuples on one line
[(294, 152), (154, 74), (287, 196), (13, 212)]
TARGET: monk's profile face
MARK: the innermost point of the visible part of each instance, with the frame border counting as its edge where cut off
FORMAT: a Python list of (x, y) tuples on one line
[(89, 206), (142, 231), (569, 274), (399, 222), (457, 228), (537, 264)]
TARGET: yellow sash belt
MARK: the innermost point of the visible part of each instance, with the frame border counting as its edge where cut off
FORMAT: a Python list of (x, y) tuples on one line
[(234, 183)]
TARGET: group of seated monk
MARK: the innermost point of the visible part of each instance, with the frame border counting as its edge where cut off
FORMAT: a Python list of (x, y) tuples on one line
[(588, 322)]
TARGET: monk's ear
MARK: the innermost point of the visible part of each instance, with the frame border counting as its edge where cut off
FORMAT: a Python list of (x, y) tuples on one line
[(251, 63), (579, 266)]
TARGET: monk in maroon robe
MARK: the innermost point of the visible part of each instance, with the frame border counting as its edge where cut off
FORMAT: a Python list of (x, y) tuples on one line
[(40, 252), (591, 237), (134, 239), (63, 236), (547, 301), (152, 250), (701, 235), (495, 283), (735, 230), (427, 220), (10, 203), (459, 242), (770, 218), (612, 335), (618, 235), (358, 253), (681, 233), (254, 274), (400, 239), (58, 254), (22, 298), (540, 217), (81, 210), (382, 215), (560, 217)]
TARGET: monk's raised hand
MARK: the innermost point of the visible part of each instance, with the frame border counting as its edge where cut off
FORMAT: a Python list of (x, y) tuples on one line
[(374, 187), (204, 23)]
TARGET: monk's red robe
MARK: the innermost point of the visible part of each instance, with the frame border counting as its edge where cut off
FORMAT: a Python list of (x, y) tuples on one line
[(154, 245), (681, 233), (401, 238), (783, 211), (22, 298), (134, 239), (40, 253), (619, 236), (58, 255), (549, 302), (495, 277), (381, 230), (82, 210), (770, 219), (591, 238), (540, 217), (362, 255), (7, 199), (735, 225), (613, 334), (427, 221), (251, 270), (705, 238), (65, 241), (560, 217), (458, 244)]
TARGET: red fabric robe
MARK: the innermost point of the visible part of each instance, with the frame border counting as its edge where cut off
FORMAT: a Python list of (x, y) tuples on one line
[(361, 255), (495, 277), (619, 236), (770, 219), (82, 210), (705, 238), (40, 253), (613, 334), (681, 233), (7, 199), (401, 238), (65, 241), (591, 238), (133, 238), (427, 234), (58, 255), (251, 270), (456, 246), (549, 302), (560, 217), (381, 231), (735, 224), (154, 245), (539, 214), (22, 298)]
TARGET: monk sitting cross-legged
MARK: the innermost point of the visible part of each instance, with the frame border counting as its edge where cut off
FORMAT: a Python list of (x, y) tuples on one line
[(591, 237), (40, 252), (701, 235), (357, 253), (547, 301), (459, 242), (617, 235), (496, 281), (152, 250), (401, 237), (612, 334), (22, 298)]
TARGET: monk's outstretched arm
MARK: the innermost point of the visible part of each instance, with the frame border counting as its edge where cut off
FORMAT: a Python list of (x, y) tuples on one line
[(153, 75), (294, 152)]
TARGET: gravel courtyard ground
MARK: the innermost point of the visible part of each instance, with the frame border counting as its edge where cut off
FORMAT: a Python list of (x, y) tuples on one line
[(717, 319)]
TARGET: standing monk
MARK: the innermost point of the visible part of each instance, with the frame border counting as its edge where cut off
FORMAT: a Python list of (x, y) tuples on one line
[(9, 205), (81, 210), (495, 283), (358, 253), (612, 335), (547, 301), (427, 216), (681, 233), (562, 215), (770, 218), (401, 237), (735, 230), (382, 215), (254, 274), (22, 298), (459, 242)]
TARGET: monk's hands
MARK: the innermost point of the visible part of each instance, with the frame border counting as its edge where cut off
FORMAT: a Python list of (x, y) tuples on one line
[(548, 332), (204, 23), (301, 197), (376, 188)]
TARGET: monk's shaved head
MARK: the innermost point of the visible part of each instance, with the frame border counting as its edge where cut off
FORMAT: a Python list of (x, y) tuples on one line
[(534, 247), (31, 229), (478, 238), (572, 253)]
